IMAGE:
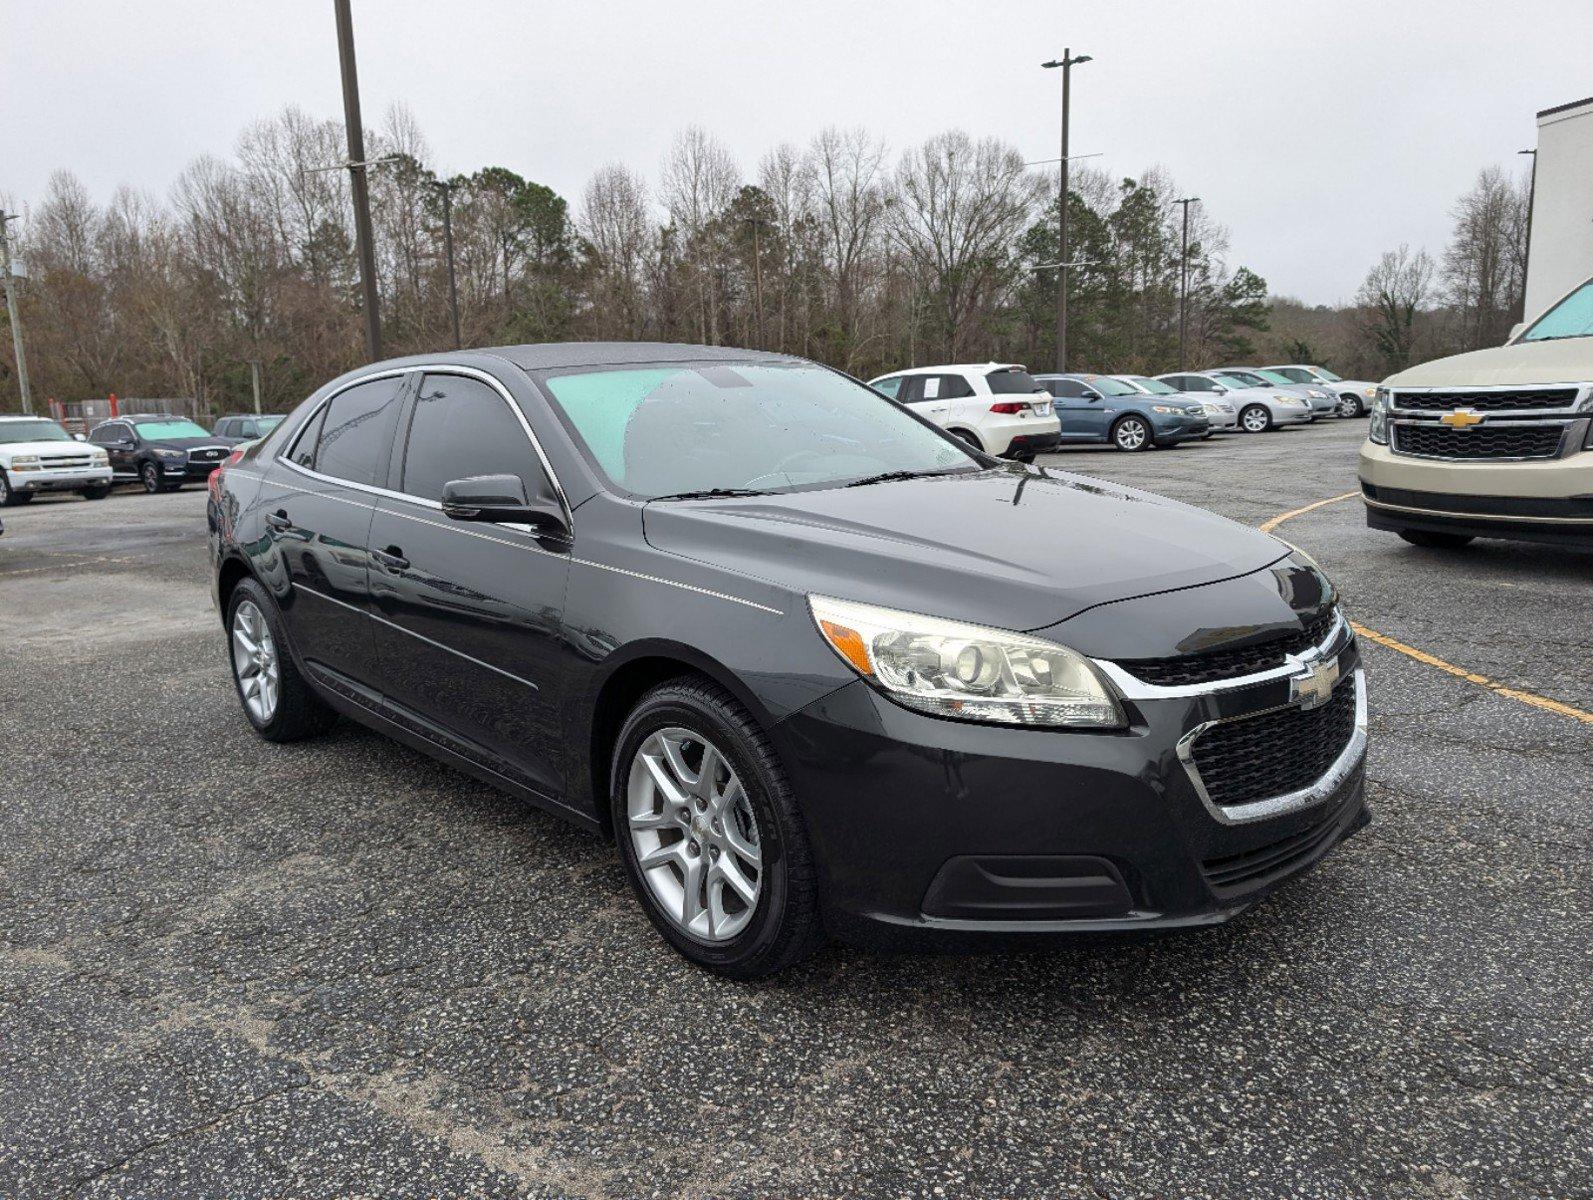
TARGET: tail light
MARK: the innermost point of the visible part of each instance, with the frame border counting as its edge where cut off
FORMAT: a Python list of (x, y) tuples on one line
[(1009, 407)]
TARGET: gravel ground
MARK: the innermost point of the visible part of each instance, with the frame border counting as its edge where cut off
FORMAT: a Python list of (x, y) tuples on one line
[(339, 969)]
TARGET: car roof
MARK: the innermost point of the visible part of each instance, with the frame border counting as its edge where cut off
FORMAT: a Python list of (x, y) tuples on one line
[(557, 355), (26, 417), (970, 367), (153, 417)]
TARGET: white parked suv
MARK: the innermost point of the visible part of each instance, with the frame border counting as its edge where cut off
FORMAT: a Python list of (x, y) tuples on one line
[(996, 407), (37, 455)]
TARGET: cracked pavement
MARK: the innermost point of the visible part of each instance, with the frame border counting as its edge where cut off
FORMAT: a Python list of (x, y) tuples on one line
[(340, 969)]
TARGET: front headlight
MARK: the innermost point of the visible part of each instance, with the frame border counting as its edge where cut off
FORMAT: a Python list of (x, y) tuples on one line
[(954, 670), (1162, 408), (99, 458), (1371, 391), (172, 455), (1377, 426), (26, 462)]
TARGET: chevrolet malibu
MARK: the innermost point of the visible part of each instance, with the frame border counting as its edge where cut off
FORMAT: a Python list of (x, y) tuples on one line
[(816, 666)]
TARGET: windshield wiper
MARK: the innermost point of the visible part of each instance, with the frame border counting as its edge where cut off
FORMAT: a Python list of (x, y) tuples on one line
[(710, 494), (891, 477)]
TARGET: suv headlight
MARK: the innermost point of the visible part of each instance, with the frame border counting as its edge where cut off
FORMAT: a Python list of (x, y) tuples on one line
[(27, 462), (954, 670), (1377, 427), (171, 455)]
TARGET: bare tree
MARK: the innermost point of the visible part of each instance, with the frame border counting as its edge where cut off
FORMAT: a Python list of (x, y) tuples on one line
[(1484, 267), (847, 168), (619, 233), (700, 180), (1395, 292)]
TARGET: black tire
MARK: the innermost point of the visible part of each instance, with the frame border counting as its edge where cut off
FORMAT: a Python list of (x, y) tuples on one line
[(1131, 434), (1250, 411), (9, 496), (1351, 406), (967, 437), (96, 493), (784, 927), (1429, 540), (149, 476), (300, 713)]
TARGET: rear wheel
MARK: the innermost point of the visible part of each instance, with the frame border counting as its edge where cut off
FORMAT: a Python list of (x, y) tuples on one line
[(967, 437), (1429, 540), (96, 493), (275, 697), (1255, 419), (710, 835), (1351, 406), (1131, 434)]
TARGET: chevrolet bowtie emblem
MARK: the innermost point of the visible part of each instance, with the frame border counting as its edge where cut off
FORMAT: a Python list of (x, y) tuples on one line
[(1313, 687), (1461, 418)]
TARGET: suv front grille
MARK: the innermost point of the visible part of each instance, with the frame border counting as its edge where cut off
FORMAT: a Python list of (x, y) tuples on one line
[(1274, 753), (62, 462), (1213, 665), (1484, 401), (1480, 441)]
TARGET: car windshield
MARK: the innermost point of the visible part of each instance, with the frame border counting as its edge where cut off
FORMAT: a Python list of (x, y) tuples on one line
[(1275, 376), (1155, 386), (699, 428), (1108, 386), (175, 428), (1238, 380), (1329, 376), (1007, 382), (12, 432), (1572, 317)]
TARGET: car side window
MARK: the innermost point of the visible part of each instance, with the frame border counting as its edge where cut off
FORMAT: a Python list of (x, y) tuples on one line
[(1196, 383), (890, 387), (358, 430), (912, 389), (224, 427), (245, 429), (303, 452), (462, 427), (1067, 388), (954, 387)]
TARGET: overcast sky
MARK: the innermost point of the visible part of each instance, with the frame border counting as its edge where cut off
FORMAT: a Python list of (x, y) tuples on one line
[(1320, 133)]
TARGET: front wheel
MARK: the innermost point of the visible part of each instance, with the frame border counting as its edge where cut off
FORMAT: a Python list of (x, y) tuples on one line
[(9, 495), (709, 833), (1131, 434), (1351, 406), (96, 493), (1430, 540), (1255, 419), (149, 476)]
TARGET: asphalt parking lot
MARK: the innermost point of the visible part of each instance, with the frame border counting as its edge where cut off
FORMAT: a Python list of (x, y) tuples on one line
[(338, 968)]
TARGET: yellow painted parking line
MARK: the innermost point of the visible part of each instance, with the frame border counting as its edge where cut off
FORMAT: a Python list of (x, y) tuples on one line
[(1269, 525), (1432, 660)]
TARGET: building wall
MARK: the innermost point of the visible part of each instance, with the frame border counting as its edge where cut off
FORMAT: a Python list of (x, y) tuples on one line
[(1562, 211)]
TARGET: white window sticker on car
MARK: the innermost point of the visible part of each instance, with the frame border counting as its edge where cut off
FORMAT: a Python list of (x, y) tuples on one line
[(932, 387)]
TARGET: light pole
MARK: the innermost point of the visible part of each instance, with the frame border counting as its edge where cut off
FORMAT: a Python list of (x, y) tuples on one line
[(1183, 280), (1526, 252), (12, 310), (447, 190), (1067, 62), (357, 183)]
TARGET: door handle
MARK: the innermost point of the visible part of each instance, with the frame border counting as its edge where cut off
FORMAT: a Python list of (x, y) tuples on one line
[(278, 520), (392, 558)]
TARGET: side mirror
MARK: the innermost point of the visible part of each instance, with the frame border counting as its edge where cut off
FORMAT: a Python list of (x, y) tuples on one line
[(1220, 390), (502, 498), (1091, 394)]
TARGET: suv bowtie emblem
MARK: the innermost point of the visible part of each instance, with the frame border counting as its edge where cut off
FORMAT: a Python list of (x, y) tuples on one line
[(1313, 687), (1461, 418)]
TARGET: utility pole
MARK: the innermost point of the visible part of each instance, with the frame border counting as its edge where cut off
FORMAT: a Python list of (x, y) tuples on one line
[(447, 190), (12, 310), (1183, 281), (254, 382), (1067, 62), (757, 277), (1532, 200), (357, 181)]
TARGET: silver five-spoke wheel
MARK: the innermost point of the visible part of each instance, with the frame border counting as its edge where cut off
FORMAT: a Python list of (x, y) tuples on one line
[(1131, 434), (695, 837), (254, 659)]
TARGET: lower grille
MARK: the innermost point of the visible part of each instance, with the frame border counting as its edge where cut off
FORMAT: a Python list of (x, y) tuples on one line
[(1238, 873), (1480, 442), (1511, 401), (1274, 753), (1213, 665)]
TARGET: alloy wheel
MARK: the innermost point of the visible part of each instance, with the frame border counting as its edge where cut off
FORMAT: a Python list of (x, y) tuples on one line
[(1131, 434), (694, 835), (1349, 406), (254, 661), (1254, 420), (151, 476)]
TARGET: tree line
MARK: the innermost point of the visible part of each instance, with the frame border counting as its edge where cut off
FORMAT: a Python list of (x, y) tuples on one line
[(837, 250)]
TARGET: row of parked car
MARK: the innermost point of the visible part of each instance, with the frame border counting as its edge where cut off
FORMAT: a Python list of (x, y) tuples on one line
[(1004, 410), (159, 451)]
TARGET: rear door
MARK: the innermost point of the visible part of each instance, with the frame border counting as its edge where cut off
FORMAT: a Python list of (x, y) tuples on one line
[(925, 394), (317, 505), (470, 612)]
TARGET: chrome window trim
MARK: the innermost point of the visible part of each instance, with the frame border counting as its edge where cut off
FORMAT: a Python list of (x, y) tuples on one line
[(418, 636), (1133, 687), (1274, 806)]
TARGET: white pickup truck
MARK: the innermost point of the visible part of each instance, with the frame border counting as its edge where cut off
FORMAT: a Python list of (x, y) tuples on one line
[(37, 455)]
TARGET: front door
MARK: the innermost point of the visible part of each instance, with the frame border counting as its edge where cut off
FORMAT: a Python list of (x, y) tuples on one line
[(1080, 411), (316, 515), (469, 613)]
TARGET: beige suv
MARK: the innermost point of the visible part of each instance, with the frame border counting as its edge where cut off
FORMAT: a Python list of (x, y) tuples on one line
[(1496, 443)]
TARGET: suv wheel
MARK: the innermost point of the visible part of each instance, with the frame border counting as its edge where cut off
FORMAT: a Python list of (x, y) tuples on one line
[(96, 493), (710, 835), (149, 474), (1255, 419), (9, 495), (275, 697), (1350, 406), (1131, 434), (1429, 540)]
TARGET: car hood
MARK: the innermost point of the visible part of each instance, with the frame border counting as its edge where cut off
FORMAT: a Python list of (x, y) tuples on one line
[(1568, 360), (46, 449), (1008, 548), (192, 443)]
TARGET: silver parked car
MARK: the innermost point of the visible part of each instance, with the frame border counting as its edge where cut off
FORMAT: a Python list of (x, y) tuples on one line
[(1259, 408), (1221, 415), (1323, 402), (1355, 395)]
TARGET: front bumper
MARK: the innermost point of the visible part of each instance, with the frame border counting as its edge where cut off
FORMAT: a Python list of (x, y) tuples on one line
[(1292, 414), (1222, 422), (1542, 500), (69, 480), (1169, 430), (930, 830)]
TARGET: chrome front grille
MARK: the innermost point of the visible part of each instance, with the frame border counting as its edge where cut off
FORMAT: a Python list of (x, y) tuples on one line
[(67, 462), (1501, 400), (1537, 440)]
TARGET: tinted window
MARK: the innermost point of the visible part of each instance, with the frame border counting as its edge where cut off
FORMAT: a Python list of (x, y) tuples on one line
[(954, 387), (105, 434), (912, 389), (304, 449), (357, 431), (889, 386), (1108, 386), (1012, 383), (1070, 388), (1196, 383), (462, 427)]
